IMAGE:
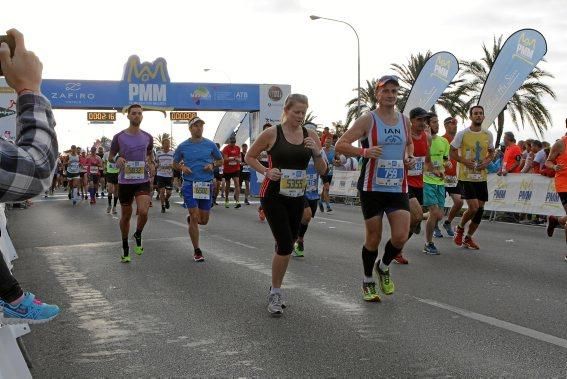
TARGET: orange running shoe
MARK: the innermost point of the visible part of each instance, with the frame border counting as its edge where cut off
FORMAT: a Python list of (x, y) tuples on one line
[(400, 259), (459, 232), (470, 244)]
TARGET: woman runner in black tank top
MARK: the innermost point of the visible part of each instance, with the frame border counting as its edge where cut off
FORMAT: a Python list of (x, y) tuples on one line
[(290, 147)]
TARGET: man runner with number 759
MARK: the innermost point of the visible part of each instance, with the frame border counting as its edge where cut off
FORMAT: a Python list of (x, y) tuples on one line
[(196, 159)]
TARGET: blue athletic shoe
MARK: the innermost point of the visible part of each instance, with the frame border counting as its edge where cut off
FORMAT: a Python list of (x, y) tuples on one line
[(430, 249), (29, 311), (449, 229), (437, 233)]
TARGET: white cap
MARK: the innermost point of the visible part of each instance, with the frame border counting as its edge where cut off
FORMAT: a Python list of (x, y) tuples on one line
[(195, 120)]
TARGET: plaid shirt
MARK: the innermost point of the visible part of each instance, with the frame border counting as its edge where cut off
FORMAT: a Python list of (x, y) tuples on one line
[(26, 168)]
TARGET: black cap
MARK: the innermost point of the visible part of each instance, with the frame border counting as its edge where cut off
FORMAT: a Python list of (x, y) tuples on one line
[(418, 113)]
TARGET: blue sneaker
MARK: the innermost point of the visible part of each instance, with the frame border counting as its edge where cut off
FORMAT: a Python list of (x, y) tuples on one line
[(437, 233), (449, 230), (430, 249), (29, 311)]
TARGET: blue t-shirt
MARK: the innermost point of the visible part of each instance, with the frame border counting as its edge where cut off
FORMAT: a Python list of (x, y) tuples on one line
[(196, 155), (312, 190), (330, 157)]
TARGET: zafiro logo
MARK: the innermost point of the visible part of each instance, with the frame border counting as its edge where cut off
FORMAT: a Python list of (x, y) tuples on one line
[(526, 190), (147, 81), (526, 47), (442, 67)]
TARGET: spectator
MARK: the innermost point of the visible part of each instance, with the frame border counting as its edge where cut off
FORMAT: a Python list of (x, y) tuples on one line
[(540, 157), (325, 135), (512, 156), (347, 164), (494, 166), (25, 168)]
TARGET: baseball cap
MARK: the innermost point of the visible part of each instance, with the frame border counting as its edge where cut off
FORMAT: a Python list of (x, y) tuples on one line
[(418, 113), (448, 120), (195, 120), (387, 79)]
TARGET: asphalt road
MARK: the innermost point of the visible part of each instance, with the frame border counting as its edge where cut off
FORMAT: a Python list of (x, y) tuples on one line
[(497, 312)]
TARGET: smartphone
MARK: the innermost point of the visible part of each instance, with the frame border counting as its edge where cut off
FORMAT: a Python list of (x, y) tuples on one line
[(11, 43)]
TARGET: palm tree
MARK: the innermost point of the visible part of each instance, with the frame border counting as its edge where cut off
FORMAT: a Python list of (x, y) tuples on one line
[(309, 118), (159, 140), (340, 128), (368, 101), (525, 106)]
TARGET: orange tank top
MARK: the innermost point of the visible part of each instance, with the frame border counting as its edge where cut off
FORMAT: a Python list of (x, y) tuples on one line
[(561, 176)]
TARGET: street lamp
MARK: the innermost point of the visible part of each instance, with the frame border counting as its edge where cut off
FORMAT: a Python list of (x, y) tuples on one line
[(313, 17), (213, 69)]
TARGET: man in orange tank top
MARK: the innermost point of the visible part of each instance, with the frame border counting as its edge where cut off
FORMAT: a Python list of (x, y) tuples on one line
[(557, 161)]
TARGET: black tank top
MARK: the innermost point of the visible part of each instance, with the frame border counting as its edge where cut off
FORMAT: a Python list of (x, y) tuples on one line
[(285, 155)]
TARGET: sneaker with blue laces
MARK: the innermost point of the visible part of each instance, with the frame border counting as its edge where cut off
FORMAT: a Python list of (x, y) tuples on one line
[(431, 249), (437, 232), (30, 311), (449, 229)]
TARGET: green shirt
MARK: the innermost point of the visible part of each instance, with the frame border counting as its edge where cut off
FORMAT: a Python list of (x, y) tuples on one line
[(439, 152)]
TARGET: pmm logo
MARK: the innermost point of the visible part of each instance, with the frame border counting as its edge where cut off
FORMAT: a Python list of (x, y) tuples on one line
[(526, 190), (500, 190), (526, 46), (146, 81), (442, 67)]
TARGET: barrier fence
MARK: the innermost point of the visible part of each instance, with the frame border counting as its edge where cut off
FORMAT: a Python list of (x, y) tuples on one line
[(516, 193)]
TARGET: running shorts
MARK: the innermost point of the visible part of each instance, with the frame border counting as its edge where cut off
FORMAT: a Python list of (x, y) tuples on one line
[(190, 202), (112, 178), (127, 192), (417, 193), (474, 190), (377, 203), (434, 194), (284, 217), (164, 182)]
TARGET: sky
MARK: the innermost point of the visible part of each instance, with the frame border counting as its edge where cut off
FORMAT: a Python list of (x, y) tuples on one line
[(273, 41)]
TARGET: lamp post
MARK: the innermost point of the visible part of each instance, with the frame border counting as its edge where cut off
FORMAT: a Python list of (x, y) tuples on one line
[(312, 17), (225, 74)]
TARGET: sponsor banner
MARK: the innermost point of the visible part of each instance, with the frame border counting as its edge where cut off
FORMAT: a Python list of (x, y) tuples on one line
[(7, 111), (272, 98), (148, 84), (344, 183), (432, 81), (519, 55)]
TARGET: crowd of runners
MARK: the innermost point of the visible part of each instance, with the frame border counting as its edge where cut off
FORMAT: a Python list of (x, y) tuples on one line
[(406, 172)]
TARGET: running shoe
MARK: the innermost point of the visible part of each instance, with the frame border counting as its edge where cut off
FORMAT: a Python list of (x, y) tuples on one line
[(321, 208), (246, 202), (114, 210), (275, 304), (238, 205), (386, 283), (167, 204), (30, 311), (298, 250), (102, 194), (126, 259), (459, 233), (69, 195), (139, 250), (226, 204), (470, 244), (151, 204), (108, 209), (552, 222), (163, 209), (369, 292), (400, 259), (329, 210), (448, 229), (417, 228), (430, 249), (437, 232), (198, 256), (74, 202), (97, 195)]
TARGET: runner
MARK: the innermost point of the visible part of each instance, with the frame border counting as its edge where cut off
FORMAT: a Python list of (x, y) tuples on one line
[(329, 150), (94, 164), (111, 182), (557, 161), (420, 139), (386, 150), (84, 177), (452, 185), (73, 174), (102, 173), (196, 158), (473, 148), (231, 170), (290, 147), (310, 203), (245, 173), (164, 174), (434, 183), (217, 173), (136, 153), (264, 161)]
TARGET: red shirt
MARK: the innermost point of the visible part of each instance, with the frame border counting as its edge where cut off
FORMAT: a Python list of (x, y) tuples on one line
[(453, 170), (512, 155), (415, 175), (231, 166), (94, 162), (324, 137)]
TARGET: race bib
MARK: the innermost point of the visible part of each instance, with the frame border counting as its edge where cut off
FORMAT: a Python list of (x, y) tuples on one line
[(93, 169), (134, 170), (245, 168), (417, 170), (390, 173), (312, 183), (202, 190), (293, 182), (111, 166), (83, 169), (73, 168), (451, 181), (232, 163), (165, 171), (474, 176)]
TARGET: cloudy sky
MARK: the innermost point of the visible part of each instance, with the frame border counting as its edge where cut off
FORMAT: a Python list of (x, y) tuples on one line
[(273, 41)]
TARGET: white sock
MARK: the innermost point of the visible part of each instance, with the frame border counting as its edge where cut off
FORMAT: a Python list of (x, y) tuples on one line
[(368, 279), (382, 266), (275, 290)]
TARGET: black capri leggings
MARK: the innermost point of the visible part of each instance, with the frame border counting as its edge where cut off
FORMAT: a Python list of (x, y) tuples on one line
[(284, 217)]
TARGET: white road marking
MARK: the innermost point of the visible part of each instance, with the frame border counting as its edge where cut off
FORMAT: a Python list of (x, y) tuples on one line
[(214, 235), (499, 323), (335, 220)]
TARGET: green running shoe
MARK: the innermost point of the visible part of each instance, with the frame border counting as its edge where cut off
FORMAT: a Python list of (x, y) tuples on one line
[(298, 250), (386, 283), (369, 292), (126, 259), (139, 250)]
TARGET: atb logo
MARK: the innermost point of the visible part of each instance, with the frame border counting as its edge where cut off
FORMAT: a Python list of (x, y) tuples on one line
[(147, 81)]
